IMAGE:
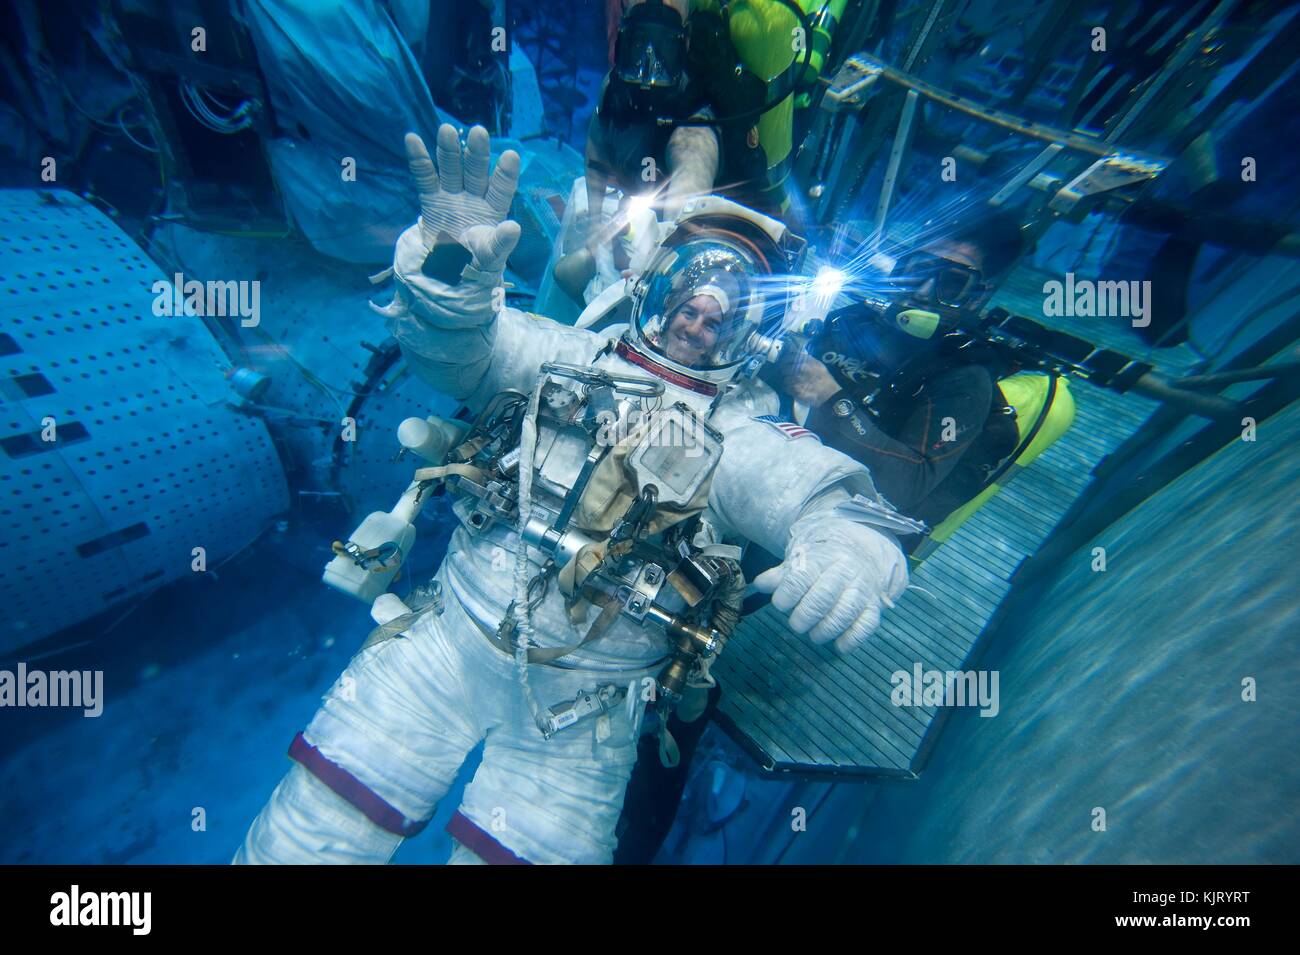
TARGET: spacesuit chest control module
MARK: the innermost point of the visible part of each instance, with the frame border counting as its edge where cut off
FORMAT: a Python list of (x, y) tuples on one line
[(604, 491), (614, 507)]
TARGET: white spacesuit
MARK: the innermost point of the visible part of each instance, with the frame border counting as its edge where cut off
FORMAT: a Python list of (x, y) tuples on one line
[(513, 637)]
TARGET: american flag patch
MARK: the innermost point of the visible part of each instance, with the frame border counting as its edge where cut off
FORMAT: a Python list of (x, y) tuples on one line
[(787, 428)]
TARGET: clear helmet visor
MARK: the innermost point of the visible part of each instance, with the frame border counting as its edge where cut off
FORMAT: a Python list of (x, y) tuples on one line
[(704, 301)]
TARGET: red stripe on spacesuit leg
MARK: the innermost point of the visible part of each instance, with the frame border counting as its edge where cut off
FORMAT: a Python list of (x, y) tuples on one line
[(343, 783), (469, 835)]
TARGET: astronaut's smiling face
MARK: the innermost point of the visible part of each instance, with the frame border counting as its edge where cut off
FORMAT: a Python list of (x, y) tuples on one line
[(693, 330)]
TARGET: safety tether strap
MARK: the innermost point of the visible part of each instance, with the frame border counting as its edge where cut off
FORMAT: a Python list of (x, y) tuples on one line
[(394, 628), (477, 475), (609, 612)]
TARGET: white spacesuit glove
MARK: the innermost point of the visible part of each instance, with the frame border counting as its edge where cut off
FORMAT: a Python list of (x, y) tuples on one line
[(459, 207), (836, 579), (457, 194)]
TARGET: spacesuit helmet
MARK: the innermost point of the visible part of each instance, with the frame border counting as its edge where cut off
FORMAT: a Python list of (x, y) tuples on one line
[(717, 284)]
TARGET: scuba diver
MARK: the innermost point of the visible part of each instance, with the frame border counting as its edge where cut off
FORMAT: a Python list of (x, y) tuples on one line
[(634, 133), (643, 98), (606, 478), (938, 425), (705, 91)]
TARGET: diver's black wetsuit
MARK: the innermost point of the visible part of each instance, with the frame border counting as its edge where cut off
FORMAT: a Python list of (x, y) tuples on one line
[(911, 463)]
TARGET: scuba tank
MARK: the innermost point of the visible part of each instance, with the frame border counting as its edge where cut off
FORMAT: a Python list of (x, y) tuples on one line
[(744, 62)]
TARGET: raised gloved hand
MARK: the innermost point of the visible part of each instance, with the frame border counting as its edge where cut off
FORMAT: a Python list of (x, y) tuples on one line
[(836, 579), (460, 208), (457, 194)]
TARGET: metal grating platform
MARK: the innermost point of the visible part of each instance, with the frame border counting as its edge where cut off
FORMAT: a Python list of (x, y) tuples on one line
[(804, 710), (149, 462)]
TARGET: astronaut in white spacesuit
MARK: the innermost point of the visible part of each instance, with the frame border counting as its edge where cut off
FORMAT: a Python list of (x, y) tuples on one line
[(697, 459)]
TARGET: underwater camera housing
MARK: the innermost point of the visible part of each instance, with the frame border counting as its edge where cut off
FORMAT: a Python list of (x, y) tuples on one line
[(1022, 343)]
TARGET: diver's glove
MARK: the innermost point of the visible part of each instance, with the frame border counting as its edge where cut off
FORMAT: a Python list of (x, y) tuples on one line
[(836, 579), (448, 264)]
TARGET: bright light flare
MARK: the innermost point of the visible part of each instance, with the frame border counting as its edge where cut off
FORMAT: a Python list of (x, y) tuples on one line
[(828, 281), (638, 205)]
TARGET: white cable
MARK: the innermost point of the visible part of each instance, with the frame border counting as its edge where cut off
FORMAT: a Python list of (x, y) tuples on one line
[(197, 105), (523, 614), (127, 133)]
